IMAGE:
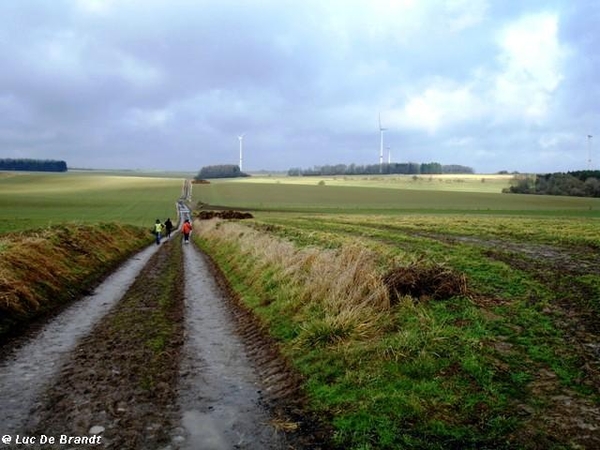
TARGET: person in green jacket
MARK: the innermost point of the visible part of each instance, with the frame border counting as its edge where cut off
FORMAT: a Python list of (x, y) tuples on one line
[(158, 229)]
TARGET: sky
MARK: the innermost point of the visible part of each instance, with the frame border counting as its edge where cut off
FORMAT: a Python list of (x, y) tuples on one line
[(171, 84)]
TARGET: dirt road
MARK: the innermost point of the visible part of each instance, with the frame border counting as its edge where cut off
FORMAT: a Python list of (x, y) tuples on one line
[(158, 357)]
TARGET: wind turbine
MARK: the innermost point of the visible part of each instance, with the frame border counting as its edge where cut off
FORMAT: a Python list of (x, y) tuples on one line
[(241, 138), (589, 139), (381, 130)]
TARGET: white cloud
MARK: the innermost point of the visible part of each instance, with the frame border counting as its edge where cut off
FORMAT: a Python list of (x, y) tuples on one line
[(521, 87), (463, 14), (531, 61), (443, 104), (95, 6)]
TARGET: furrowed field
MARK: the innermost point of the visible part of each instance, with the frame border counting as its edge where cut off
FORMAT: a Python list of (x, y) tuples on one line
[(424, 318)]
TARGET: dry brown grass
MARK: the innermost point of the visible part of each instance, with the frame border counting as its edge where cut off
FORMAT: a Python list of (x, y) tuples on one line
[(345, 284), (43, 268)]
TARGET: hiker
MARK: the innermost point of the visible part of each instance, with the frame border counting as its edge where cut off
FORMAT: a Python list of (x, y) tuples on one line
[(186, 229), (158, 229), (168, 227)]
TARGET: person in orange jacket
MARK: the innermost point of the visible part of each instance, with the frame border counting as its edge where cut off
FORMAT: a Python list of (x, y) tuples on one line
[(186, 229)]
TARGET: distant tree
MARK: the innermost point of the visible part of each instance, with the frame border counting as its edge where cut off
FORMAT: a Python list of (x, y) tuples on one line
[(431, 168), (386, 168), (220, 171), (576, 184), (33, 165), (456, 168), (592, 187)]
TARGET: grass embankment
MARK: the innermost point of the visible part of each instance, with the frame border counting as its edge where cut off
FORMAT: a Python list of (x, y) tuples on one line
[(40, 270), (478, 368)]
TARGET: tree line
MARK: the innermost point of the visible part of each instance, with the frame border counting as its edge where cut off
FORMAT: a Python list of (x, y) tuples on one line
[(220, 171), (582, 183), (33, 165), (384, 169)]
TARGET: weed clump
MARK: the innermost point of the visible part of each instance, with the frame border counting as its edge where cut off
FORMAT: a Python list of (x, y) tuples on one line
[(424, 281)]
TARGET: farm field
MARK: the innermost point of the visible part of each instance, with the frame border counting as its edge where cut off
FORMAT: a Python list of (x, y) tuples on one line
[(443, 182), (34, 200), (365, 196), (416, 318), (463, 320)]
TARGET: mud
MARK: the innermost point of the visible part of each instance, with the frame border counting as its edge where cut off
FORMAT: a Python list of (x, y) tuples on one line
[(115, 381), (220, 390), (31, 362), (218, 383)]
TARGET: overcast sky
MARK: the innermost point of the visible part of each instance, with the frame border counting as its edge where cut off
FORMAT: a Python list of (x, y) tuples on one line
[(151, 84)]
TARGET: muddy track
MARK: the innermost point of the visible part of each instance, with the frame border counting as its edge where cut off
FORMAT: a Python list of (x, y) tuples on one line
[(177, 363), (282, 386), (115, 378)]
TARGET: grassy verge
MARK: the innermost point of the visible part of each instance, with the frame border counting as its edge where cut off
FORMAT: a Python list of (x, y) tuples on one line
[(480, 368), (40, 270)]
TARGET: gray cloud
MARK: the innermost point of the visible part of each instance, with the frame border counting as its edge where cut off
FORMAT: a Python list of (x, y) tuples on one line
[(496, 85)]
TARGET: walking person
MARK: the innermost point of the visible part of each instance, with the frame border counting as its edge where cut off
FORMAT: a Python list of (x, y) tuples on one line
[(168, 228), (186, 229), (158, 229)]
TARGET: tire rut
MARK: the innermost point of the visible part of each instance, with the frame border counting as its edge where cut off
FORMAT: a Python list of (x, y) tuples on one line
[(176, 363), (121, 377)]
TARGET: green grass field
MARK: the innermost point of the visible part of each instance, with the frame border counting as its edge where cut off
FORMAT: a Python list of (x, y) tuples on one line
[(388, 196), (33, 200)]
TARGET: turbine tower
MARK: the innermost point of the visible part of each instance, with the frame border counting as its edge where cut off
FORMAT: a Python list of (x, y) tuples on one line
[(241, 138), (589, 139), (381, 130)]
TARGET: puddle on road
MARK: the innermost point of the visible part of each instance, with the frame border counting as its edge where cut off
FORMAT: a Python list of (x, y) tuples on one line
[(27, 369), (219, 389)]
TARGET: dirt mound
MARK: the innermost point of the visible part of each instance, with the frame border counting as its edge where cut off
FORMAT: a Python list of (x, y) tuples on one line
[(424, 281), (200, 181), (206, 215)]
